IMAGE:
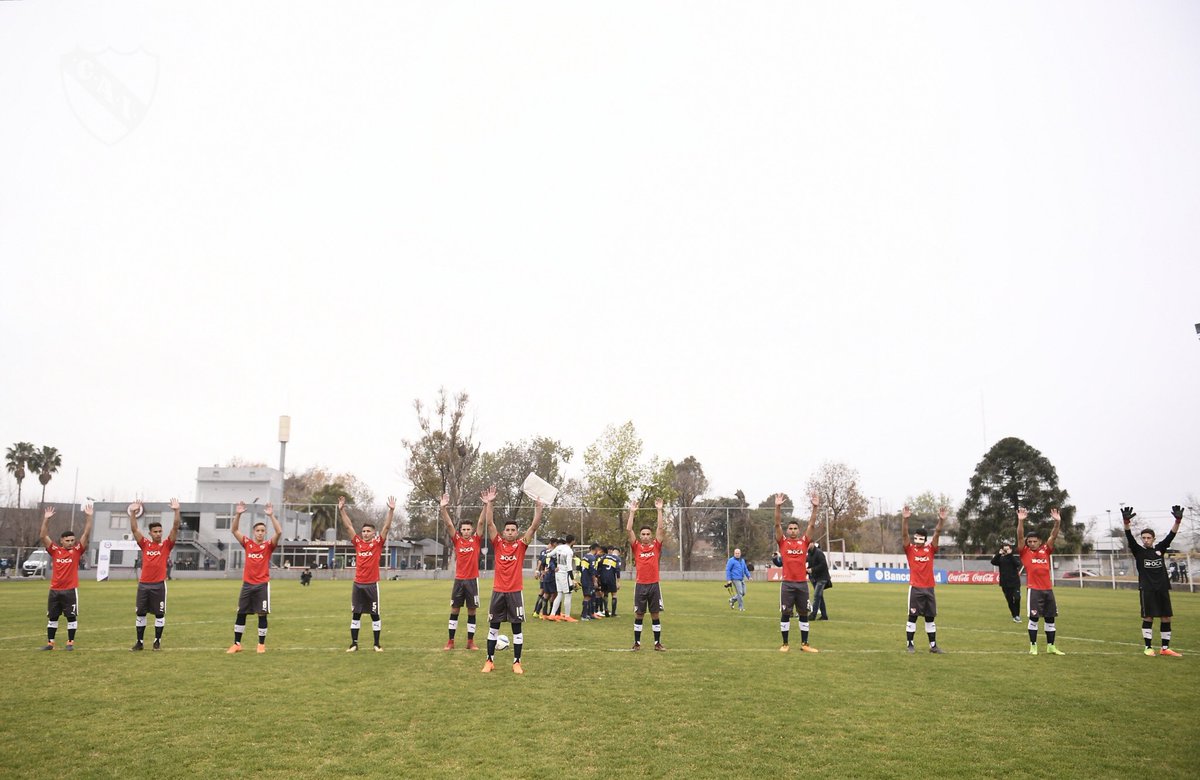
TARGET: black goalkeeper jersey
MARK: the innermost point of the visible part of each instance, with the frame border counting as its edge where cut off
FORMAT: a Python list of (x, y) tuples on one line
[(1151, 565)]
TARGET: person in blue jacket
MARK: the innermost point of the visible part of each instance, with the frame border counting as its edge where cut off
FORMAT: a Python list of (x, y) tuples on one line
[(736, 575)]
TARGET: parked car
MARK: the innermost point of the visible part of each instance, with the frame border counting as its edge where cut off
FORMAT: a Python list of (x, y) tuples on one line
[(1076, 574), (35, 565)]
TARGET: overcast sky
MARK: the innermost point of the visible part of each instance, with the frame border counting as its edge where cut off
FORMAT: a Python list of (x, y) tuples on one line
[(769, 234)]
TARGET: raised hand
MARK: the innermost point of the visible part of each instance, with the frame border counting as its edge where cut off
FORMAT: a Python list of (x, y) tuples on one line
[(269, 509), (1022, 513), (1177, 513), (906, 512), (1055, 515), (780, 498), (48, 513), (175, 503), (815, 498), (132, 509), (658, 503), (488, 495), (943, 512), (445, 502), (240, 508), (1127, 514), (391, 502), (633, 505), (87, 509), (341, 503)]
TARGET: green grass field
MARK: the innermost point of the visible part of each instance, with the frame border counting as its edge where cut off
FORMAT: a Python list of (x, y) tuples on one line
[(722, 702)]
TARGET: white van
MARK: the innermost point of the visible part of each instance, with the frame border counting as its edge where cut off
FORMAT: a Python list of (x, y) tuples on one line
[(35, 565)]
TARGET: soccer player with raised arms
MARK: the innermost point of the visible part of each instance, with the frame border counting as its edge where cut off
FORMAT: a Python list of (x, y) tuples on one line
[(1039, 588), (152, 583), (64, 577), (508, 600), (793, 590), (1154, 586), (368, 549), (256, 576), (468, 542), (922, 601), (646, 549)]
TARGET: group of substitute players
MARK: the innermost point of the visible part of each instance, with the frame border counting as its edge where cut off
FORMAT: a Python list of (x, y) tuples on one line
[(599, 575)]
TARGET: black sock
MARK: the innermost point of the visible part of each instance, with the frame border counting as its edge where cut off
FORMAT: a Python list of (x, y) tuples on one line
[(262, 629), (656, 624), (158, 627), (518, 642), (50, 632), (70, 634), (239, 628), (376, 627), (470, 626), (1164, 633), (637, 631), (141, 632), (1148, 632)]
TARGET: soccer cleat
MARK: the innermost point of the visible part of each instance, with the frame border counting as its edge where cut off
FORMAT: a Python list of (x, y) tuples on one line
[(731, 602), (785, 649), (48, 646), (471, 645), (568, 619), (70, 645), (659, 647), (236, 647), (488, 666), (1016, 619), (263, 648), (910, 649), (804, 648), (156, 645), (636, 646), (542, 617), (1033, 649), (353, 648), (449, 644), (378, 649), (936, 650), (1052, 650), (598, 616), (1164, 651), (517, 668), (137, 647), (1148, 651)]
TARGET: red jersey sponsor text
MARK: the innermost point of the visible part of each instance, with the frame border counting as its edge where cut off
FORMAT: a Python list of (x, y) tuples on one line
[(1037, 567), (258, 561), (366, 562), (466, 556), (920, 565), (645, 558), (794, 553), (510, 557), (66, 566)]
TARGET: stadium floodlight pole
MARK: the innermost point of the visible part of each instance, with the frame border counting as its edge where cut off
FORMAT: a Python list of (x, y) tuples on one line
[(285, 433)]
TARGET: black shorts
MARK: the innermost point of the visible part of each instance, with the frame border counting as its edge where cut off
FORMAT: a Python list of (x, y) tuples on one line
[(609, 585), (1156, 603), (1041, 604), (63, 602), (647, 598), (152, 598), (589, 586), (922, 602), (464, 592), (364, 597), (255, 598), (793, 594), (548, 585), (507, 607)]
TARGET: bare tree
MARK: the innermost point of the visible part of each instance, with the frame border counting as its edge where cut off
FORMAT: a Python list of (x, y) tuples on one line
[(842, 505)]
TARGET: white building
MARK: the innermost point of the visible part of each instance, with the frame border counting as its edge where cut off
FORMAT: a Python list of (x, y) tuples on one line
[(205, 534)]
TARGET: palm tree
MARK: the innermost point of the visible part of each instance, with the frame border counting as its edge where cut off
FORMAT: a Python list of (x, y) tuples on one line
[(45, 463), (17, 458)]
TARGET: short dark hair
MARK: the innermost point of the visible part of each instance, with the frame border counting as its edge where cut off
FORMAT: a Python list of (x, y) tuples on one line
[(507, 523), (594, 546), (369, 525), (256, 525), (1148, 531), (570, 538), (154, 525), (65, 534), (791, 523), (645, 528)]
